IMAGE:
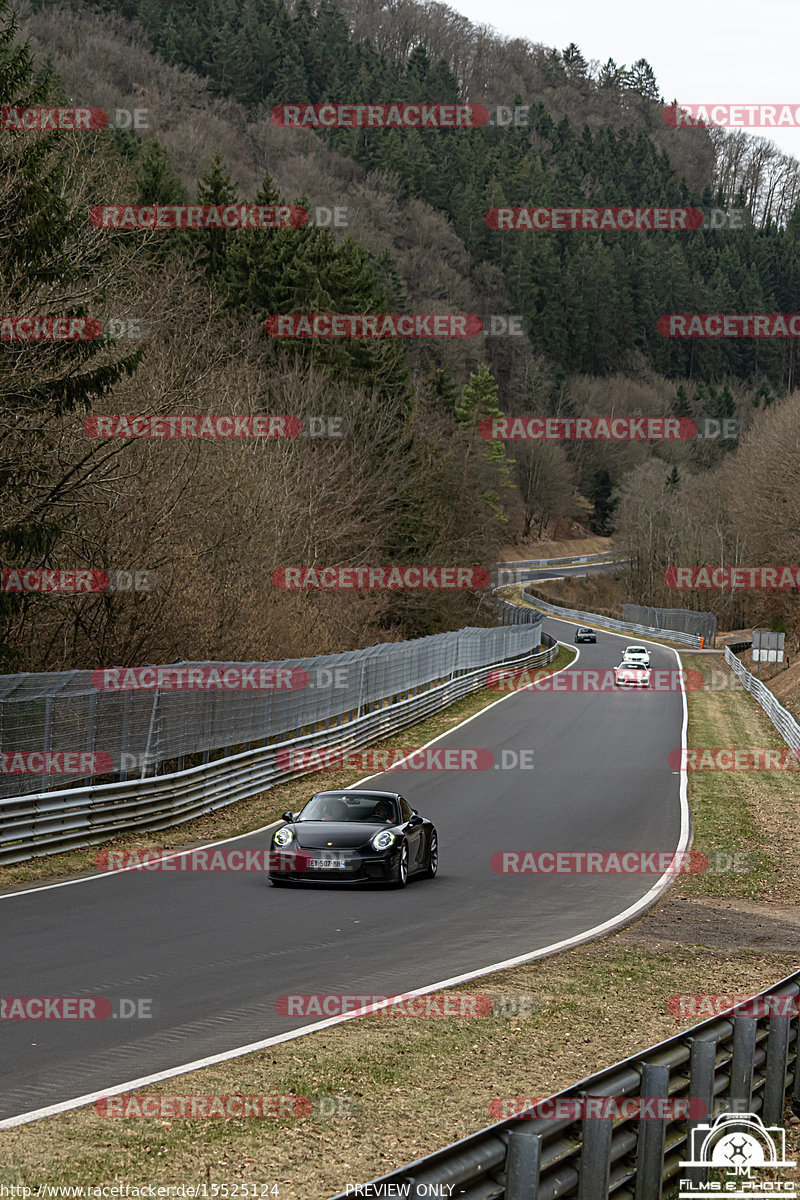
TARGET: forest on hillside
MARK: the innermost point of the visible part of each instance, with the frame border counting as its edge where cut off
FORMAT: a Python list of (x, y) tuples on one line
[(412, 480)]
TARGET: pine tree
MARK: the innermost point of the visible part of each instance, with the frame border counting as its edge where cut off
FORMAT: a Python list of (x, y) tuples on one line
[(680, 405), (216, 187), (480, 402), (574, 62), (157, 180)]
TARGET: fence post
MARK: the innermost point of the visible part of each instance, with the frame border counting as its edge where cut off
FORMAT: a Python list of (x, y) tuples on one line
[(650, 1146), (523, 1164), (775, 1073), (150, 731), (702, 1068), (744, 1044), (595, 1166)]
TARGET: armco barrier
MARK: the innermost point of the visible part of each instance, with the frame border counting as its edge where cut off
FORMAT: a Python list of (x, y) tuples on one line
[(601, 556), (733, 1063), (48, 822), (573, 614)]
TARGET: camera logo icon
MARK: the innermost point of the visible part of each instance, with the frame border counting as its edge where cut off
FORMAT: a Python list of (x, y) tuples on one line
[(737, 1143)]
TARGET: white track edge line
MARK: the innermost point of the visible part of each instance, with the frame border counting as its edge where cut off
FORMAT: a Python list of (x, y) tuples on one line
[(46, 887), (607, 926)]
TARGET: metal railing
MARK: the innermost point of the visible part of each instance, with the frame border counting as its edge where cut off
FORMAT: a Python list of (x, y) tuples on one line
[(49, 822), (732, 1063), (574, 614), (780, 717), (600, 556)]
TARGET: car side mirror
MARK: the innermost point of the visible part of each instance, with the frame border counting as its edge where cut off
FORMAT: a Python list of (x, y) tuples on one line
[(287, 816), (415, 818)]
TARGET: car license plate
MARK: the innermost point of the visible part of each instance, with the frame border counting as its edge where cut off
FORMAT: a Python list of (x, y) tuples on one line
[(326, 864)]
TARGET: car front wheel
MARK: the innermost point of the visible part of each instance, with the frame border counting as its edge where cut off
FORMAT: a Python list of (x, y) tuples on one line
[(401, 878), (433, 856)]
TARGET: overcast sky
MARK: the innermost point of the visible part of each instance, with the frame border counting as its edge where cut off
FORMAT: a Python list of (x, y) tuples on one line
[(721, 51)]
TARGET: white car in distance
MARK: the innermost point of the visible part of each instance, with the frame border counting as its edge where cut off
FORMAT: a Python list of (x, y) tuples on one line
[(639, 655)]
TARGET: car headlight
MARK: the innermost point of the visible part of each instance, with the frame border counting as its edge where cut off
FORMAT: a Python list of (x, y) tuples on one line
[(284, 836), (382, 840)]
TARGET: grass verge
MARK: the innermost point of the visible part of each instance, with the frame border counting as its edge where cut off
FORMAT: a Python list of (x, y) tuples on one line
[(424, 1082)]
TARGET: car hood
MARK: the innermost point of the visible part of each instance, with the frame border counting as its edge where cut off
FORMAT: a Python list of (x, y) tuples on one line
[(344, 835)]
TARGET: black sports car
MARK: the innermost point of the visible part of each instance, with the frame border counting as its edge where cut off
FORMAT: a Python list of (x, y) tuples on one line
[(584, 634), (353, 837)]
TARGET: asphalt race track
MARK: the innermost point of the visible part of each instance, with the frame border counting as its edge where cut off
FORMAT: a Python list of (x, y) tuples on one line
[(213, 951)]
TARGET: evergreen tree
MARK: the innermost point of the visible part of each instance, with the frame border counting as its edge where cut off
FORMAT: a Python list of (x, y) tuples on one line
[(480, 402), (156, 178), (214, 188), (680, 405)]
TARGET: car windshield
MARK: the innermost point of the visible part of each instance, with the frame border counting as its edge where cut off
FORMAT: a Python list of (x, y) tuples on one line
[(333, 806)]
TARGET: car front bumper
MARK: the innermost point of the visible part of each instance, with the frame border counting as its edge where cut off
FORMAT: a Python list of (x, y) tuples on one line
[(359, 868)]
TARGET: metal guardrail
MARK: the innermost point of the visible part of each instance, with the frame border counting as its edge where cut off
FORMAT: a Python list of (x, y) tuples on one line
[(601, 556), (48, 822), (574, 614), (780, 717), (733, 1063)]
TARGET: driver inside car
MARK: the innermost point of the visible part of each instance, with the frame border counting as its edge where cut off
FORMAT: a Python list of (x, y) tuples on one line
[(383, 812)]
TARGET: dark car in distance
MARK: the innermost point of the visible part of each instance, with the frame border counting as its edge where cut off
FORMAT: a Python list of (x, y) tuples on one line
[(353, 837), (585, 634)]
